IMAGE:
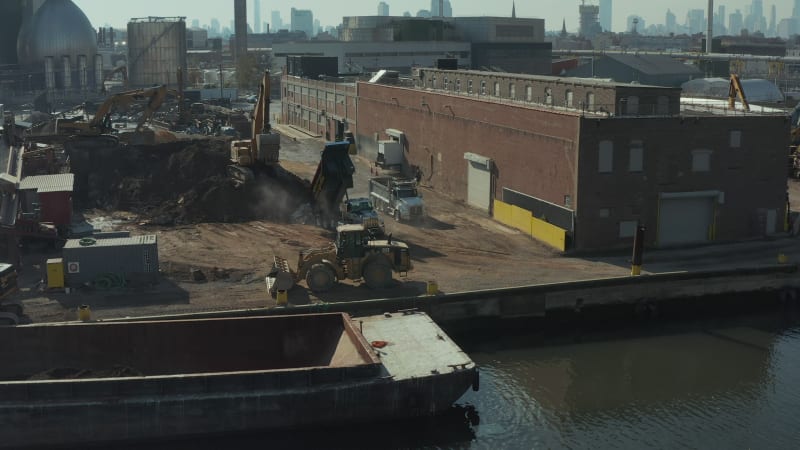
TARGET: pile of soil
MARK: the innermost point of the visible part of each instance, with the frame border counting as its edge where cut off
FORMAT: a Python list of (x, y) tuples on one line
[(185, 181)]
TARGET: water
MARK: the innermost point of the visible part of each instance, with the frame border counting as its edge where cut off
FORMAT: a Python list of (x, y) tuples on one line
[(732, 384)]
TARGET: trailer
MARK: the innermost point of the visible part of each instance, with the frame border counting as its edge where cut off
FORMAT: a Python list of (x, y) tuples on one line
[(397, 197)]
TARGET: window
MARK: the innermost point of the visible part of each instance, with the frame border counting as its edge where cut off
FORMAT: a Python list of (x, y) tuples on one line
[(446, 84), (512, 91), (548, 96), (736, 138), (469, 86), (568, 201), (636, 161), (627, 228), (458, 85), (433, 82), (529, 93), (605, 213), (590, 101), (701, 160), (496, 89), (483, 88), (568, 98), (606, 157)]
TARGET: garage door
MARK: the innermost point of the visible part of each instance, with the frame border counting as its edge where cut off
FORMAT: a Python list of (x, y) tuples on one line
[(685, 219), (479, 185)]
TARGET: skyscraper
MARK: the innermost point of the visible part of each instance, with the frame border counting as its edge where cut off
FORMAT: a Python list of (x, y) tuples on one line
[(796, 10), (605, 15), (277, 23), (383, 9), (303, 20), (735, 23), (589, 24), (257, 16), (445, 11), (670, 22)]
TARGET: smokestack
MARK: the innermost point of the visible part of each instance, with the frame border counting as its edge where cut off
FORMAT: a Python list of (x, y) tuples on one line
[(710, 31)]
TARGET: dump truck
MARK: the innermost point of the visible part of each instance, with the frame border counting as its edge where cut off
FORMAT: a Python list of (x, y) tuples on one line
[(10, 310), (397, 197), (355, 255), (334, 176), (360, 211)]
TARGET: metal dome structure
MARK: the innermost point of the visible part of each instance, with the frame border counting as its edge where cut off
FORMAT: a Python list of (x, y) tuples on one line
[(60, 39)]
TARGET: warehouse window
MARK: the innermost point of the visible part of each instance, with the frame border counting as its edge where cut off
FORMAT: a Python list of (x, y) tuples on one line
[(469, 86), (606, 157), (512, 91), (605, 213), (483, 88), (701, 160), (529, 93), (458, 85), (496, 89), (590, 101), (568, 98), (736, 138), (636, 161), (548, 96)]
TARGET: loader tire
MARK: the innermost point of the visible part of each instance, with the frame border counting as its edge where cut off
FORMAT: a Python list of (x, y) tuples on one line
[(377, 273), (320, 278)]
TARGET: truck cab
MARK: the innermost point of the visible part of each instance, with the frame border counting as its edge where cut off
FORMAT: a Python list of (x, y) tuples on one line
[(361, 211)]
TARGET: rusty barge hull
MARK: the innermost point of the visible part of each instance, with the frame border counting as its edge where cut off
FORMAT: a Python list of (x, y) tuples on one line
[(293, 372)]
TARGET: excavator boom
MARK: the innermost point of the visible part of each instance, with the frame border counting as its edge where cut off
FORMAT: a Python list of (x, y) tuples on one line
[(734, 90)]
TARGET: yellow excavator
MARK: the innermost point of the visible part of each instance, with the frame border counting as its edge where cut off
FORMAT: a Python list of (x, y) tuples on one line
[(263, 148)]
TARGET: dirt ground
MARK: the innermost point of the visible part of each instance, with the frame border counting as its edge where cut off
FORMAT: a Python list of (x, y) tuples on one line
[(204, 225)]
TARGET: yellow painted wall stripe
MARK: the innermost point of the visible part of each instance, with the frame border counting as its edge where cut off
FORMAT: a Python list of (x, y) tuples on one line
[(523, 220)]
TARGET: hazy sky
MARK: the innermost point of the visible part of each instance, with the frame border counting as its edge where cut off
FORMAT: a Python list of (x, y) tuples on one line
[(117, 12)]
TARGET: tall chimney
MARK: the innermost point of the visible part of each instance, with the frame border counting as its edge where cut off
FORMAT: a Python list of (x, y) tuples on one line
[(710, 31)]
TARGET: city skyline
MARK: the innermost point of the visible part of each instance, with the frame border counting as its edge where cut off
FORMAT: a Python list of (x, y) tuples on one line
[(553, 11)]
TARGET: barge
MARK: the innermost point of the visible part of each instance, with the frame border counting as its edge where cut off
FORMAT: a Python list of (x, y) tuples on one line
[(97, 383)]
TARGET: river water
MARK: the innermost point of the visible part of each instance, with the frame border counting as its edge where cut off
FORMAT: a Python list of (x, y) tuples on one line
[(718, 383)]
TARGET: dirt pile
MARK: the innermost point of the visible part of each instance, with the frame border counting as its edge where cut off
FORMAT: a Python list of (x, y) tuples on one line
[(181, 182)]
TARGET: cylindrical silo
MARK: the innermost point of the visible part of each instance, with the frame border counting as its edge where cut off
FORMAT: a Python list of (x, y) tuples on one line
[(98, 72), (83, 74), (156, 49), (49, 73), (65, 63)]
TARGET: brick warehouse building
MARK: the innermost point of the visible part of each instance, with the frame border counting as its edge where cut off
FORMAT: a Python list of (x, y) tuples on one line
[(592, 158)]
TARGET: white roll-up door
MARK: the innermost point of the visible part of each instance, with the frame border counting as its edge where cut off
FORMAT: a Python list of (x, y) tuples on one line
[(479, 185), (685, 219)]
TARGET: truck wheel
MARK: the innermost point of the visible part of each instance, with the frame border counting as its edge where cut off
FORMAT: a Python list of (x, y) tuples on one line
[(377, 273), (320, 278)]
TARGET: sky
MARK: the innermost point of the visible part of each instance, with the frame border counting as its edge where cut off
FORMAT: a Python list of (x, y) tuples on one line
[(117, 12)]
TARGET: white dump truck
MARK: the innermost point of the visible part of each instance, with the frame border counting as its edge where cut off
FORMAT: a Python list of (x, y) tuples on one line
[(397, 197)]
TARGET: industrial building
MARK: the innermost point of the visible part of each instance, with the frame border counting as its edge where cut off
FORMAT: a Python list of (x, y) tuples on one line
[(47, 46), (588, 160), (156, 50), (656, 70)]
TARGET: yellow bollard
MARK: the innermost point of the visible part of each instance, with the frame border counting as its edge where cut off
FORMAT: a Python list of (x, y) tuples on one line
[(282, 297), (432, 288), (84, 313), (636, 270), (782, 258)]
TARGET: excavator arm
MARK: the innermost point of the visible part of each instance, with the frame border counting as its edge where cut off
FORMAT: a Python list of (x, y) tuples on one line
[(155, 95), (734, 90)]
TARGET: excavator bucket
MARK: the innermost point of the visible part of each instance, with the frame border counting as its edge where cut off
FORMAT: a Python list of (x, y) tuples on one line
[(280, 277)]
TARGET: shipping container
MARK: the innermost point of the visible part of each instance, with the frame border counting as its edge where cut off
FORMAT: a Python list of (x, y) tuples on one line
[(111, 261)]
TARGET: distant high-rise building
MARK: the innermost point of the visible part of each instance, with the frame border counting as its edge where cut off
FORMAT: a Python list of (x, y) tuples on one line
[(195, 23), (696, 21), (277, 23), (383, 9), (406, 14), (773, 26), (755, 20), (635, 24), (303, 20), (215, 29), (589, 23), (796, 10), (441, 8), (257, 16), (240, 28), (719, 22), (424, 13), (670, 22), (317, 27), (605, 15), (735, 23)]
